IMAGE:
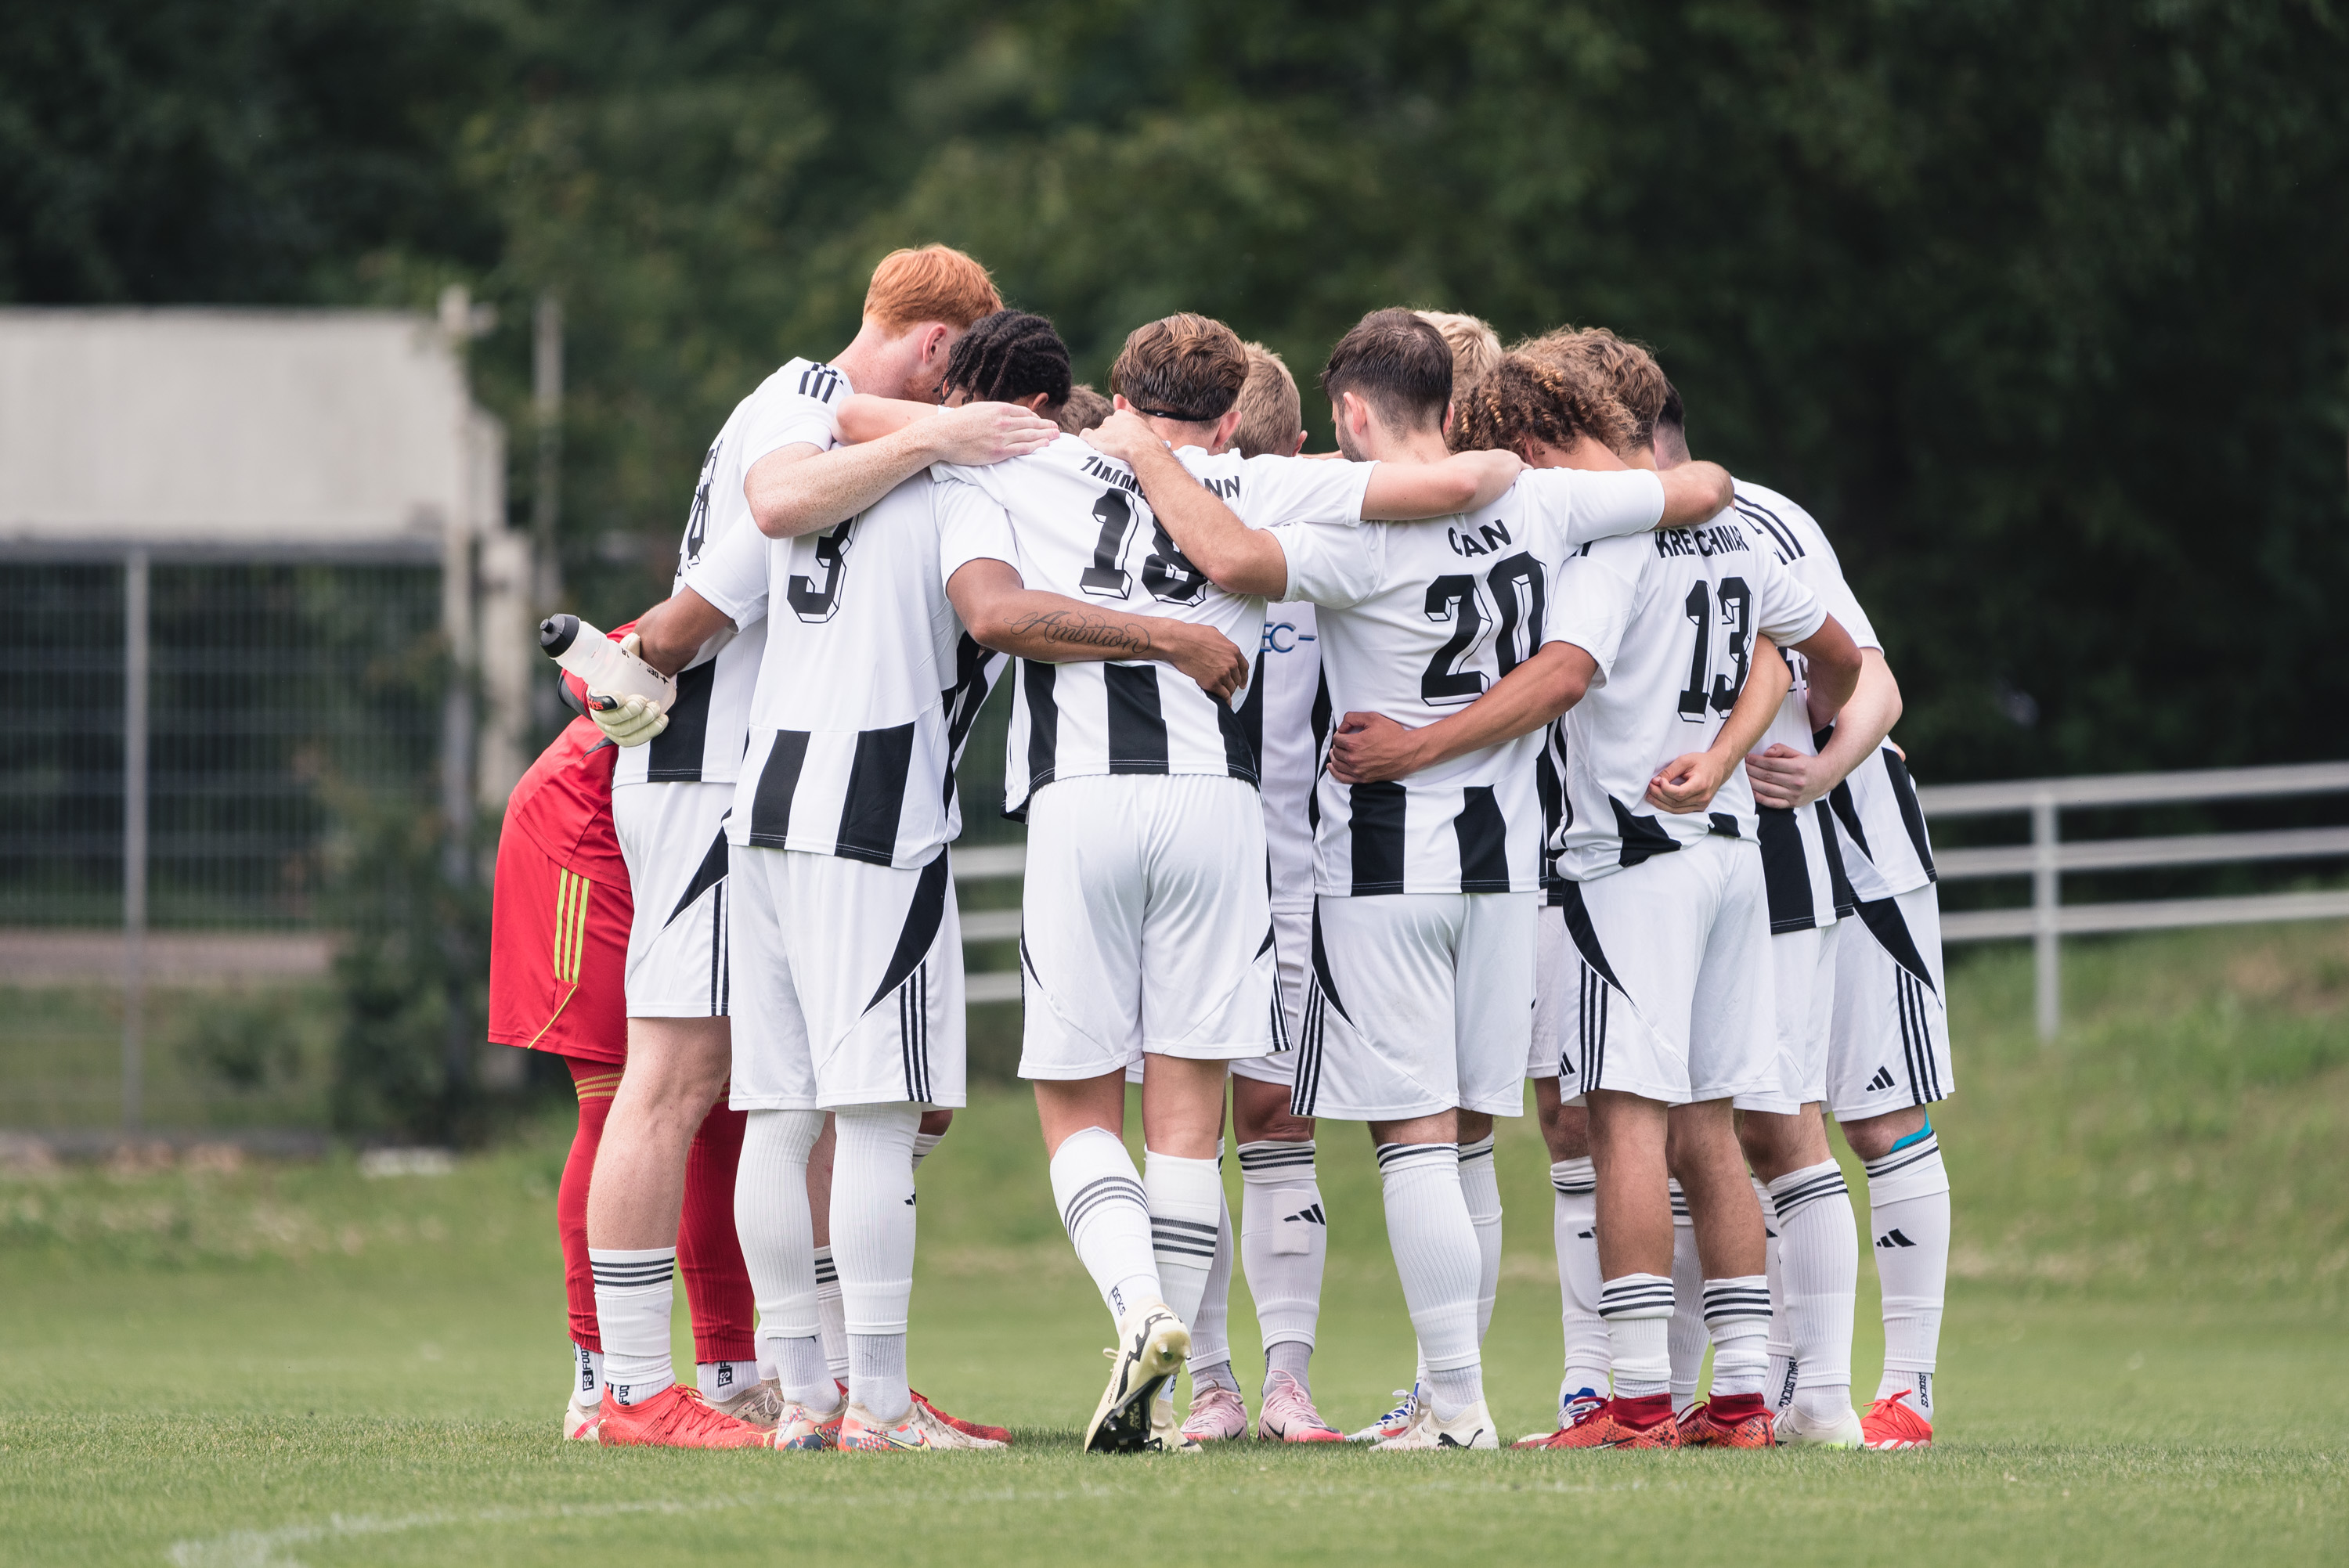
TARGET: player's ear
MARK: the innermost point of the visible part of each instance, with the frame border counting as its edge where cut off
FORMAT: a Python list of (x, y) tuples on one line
[(1298, 446)]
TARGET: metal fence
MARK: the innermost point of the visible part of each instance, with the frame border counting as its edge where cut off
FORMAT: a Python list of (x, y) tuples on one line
[(2048, 919), (180, 731)]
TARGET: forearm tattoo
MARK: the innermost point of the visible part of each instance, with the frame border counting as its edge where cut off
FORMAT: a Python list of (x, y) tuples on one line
[(1075, 629)]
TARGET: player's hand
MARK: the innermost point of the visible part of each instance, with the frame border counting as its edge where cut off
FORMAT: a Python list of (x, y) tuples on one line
[(625, 720), (1372, 749), (1125, 436), (628, 720), (1785, 778), (979, 433), (1688, 783), (1207, 656)]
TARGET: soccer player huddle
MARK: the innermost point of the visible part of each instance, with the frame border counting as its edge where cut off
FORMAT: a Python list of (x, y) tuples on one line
[(1507, 742)]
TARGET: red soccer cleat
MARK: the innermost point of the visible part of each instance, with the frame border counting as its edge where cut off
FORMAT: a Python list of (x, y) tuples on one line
[(967, 1428), (1891, 1423), (1733, 1421), (675, 1417), (1606, 1427)]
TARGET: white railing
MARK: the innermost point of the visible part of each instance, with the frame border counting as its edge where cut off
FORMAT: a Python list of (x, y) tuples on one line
[(2047, 919), (990, 862)]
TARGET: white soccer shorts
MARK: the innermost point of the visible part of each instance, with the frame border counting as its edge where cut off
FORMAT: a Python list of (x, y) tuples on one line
[(1672, 975), (1420, 1002), (1292, 945), (848, 981), (1803, 968), (673, 838), (1889, 1044), (1554, 992), (1145, 925)]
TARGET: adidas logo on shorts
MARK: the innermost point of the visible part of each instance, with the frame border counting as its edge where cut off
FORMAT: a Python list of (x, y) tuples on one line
[(1882, 1080)]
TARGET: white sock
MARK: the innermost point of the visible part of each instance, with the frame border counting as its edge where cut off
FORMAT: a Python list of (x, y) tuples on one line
[(724, 1379), (1778, 1381), (831, 1314), (1480, 1184), (778, 1236), (873, 1248), (1638, 1308), (633, 1289), (1435, 1246), (1908, 1213), (1738, 1314), (1818, 1264), (923, 1143), (1211, 1342), (1686, 1339), (1107, 1214), (1284, 1240), (1185, 1198), (1574, 1229), (586, 1373)]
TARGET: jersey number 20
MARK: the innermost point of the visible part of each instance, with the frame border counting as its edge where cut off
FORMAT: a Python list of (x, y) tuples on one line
[(1511, 604)]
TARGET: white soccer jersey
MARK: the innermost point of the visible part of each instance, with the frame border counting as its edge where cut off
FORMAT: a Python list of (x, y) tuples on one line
[(711, 715), (1550, 784), (1082, 529), (868, 690), (1670, 619), (1432, 613), (1802, 864), (1287, 719), (1881, 828)]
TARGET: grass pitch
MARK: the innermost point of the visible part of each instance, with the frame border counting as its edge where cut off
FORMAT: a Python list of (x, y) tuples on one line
[(2145, 1359)]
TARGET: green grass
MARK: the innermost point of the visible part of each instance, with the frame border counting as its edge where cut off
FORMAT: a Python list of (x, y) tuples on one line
[(2145, 1359)]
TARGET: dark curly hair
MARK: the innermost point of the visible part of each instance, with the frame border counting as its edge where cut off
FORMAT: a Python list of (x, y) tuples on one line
[(1010, 355), (1523, 401)]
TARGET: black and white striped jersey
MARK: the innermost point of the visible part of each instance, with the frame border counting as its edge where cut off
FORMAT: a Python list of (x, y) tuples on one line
[(1287, 717), (1880, 828), (1080, 527), (1802, 865), (1435, 612), (707, 724), (868, 690), (1549, 786), (1670, 620)]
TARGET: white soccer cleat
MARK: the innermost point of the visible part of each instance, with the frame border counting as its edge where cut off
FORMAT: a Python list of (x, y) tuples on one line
[(762, 1404), (1395, 1423), (1152, 1347), (1797, 1430), (1471, 1429), (579, 1420), (1214, 1415), (861, 1431), (1165, 1437)]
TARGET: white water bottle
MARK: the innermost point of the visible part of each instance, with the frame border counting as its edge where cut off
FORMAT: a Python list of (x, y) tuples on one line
[(598, 661)]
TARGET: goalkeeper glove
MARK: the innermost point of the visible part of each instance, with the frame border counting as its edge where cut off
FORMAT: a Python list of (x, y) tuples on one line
[(627, 721)]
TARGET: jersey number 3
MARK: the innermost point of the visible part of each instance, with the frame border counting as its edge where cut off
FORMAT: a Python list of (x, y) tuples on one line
[(820, 601)]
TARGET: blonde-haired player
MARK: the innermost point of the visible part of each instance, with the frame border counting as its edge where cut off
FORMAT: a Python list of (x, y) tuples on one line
[(1476, 347)]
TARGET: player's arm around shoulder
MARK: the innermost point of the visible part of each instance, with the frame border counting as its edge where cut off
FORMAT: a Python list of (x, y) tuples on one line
[(801, 487), (1465, 481), (1235, 557), (1694, 492)]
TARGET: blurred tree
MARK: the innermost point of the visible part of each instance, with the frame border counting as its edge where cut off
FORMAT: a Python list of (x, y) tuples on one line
[(2040, 307)]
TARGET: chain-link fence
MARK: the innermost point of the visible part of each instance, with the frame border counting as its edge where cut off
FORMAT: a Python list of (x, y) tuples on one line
[(272, 692)]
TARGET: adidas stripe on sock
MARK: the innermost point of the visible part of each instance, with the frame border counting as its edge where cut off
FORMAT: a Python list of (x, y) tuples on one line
[(1737, 1315), (1818, 1275), (831, 1314), (1185, 1200), (1435, 1253), (1909, 1215), (1107, 1214), (1284, 1236), (1480, 1185), (1778, 1381), (1685, 1341), (1638, 1310), (635, 1288)]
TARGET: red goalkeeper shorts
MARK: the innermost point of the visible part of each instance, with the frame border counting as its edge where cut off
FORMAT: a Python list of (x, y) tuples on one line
[(558, 956)]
